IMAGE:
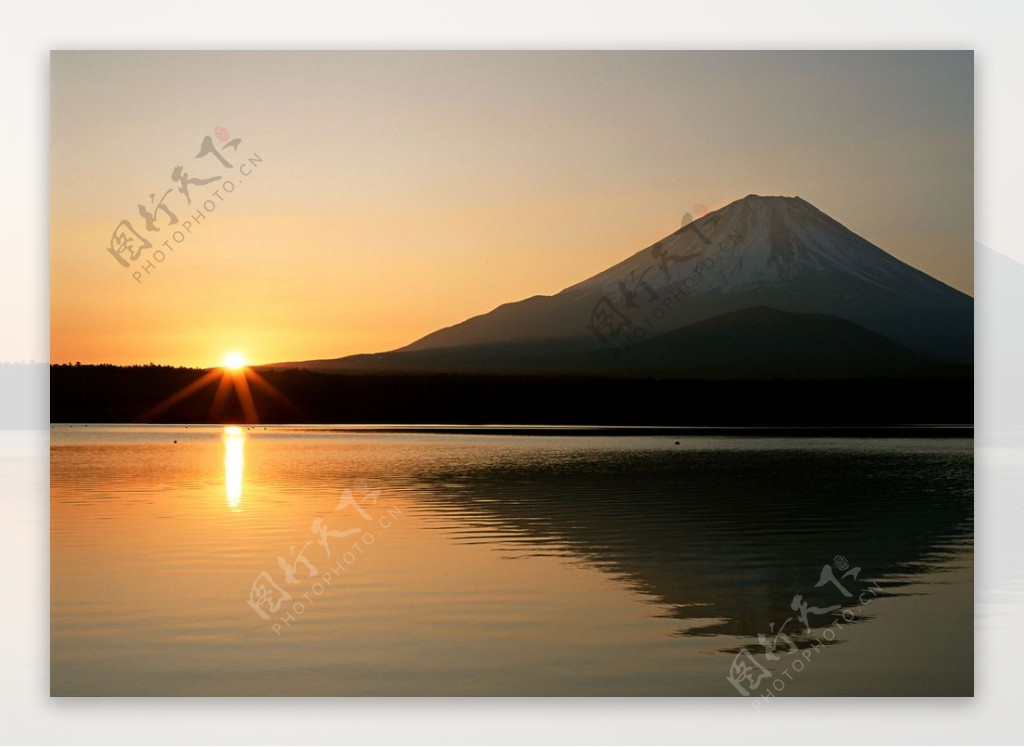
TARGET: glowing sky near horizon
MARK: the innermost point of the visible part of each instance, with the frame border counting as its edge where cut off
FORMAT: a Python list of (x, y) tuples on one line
[(398, 193)]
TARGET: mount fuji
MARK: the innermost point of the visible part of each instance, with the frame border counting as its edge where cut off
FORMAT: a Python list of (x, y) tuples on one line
[(765, 287)]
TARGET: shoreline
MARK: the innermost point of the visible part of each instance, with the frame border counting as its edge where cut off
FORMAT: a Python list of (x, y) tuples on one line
[(894, 431)]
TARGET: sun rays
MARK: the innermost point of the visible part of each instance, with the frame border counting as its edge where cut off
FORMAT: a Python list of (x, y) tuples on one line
[(233, 377)]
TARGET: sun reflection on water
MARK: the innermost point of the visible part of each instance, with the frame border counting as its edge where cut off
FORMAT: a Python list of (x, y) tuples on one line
[(234, 460)]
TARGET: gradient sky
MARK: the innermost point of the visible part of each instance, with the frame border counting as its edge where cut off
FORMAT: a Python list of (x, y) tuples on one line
[(400, 192)]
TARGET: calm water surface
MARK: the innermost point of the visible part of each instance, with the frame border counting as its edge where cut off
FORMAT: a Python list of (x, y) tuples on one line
[(328, 561)]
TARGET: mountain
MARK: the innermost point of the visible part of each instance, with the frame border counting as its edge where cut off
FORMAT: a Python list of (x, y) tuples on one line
[(764, 287)]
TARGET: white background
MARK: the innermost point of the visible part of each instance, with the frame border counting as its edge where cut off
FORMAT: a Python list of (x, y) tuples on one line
[(29, 31)]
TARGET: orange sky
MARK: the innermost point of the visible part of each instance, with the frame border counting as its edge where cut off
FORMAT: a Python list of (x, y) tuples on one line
[(402, 192)]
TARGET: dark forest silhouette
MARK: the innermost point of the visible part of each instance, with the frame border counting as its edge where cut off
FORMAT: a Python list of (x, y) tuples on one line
[(114, 394)]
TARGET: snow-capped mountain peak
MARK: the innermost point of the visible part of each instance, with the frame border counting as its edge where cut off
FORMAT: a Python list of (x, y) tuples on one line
[(772, 254), (751, 243)]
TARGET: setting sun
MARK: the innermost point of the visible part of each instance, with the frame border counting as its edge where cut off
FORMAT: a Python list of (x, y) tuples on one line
[(234, 361)]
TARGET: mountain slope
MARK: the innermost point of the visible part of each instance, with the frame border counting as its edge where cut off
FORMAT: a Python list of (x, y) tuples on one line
[(752, 343)]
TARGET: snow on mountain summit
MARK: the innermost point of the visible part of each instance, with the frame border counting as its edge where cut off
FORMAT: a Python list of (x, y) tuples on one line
[(767, 241)]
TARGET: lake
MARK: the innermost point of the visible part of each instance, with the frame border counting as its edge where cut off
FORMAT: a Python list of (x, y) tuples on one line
[(282, 560)]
